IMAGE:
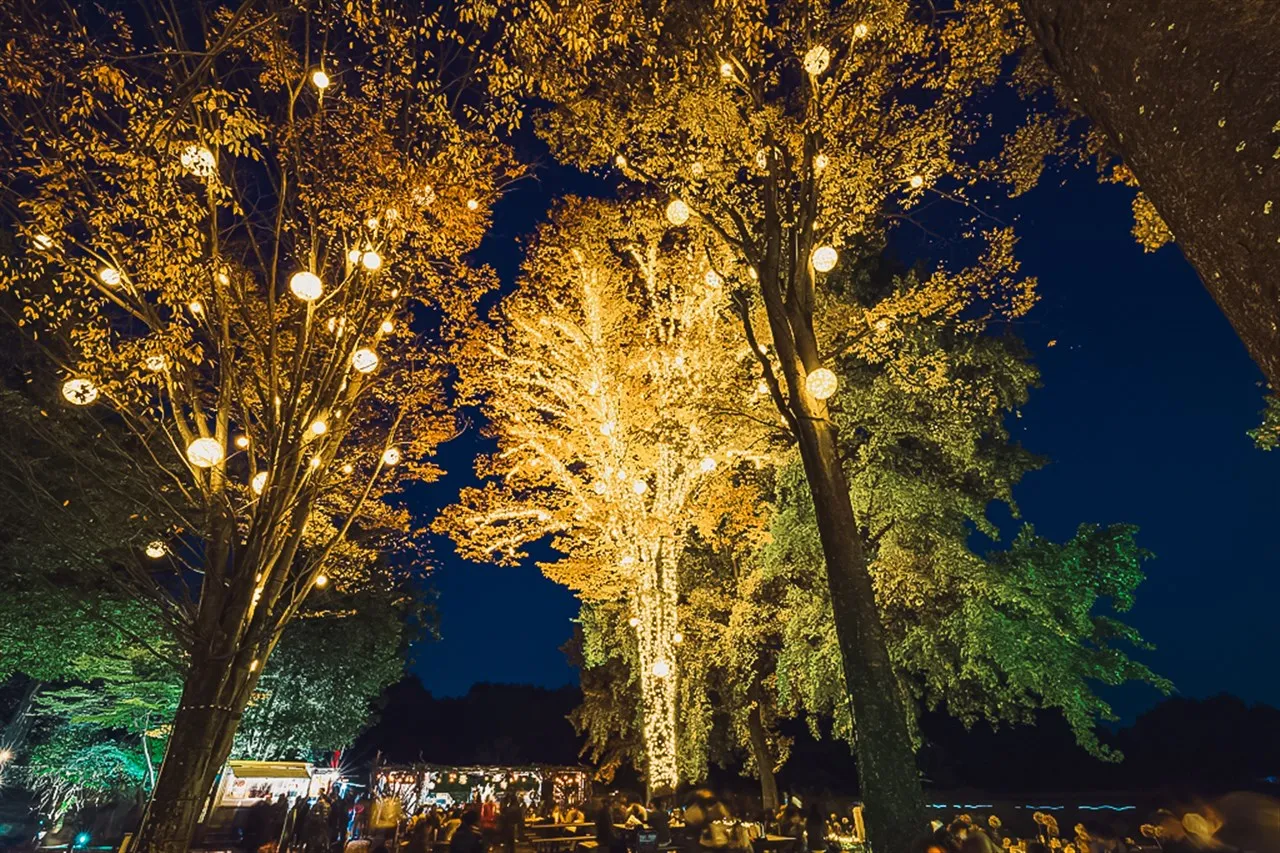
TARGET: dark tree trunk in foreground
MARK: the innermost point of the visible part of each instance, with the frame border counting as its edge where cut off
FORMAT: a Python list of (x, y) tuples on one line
[(764, 762), (214, 697), (1189, 93)]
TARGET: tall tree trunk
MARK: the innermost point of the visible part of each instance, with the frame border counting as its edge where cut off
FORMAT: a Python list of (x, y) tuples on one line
[(657, 602), (764, 761), (882, 742), (1189, 93), (213, 700), (15, 731)]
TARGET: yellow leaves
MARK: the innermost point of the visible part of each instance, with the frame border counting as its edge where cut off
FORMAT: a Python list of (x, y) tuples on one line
[(1149, 229)]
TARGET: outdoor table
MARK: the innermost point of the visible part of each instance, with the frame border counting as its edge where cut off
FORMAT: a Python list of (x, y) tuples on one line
[(771, 842)]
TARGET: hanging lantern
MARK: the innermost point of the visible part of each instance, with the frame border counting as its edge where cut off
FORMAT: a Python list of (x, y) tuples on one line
[(80, 391), (677, 212), (917, 181), (713, 279), (661, 668), (204, 452), (824, 258), (259, 482), (198, 160), (707, 465), (817, 60), (110, 276), (639, 487), (677, 638), (726, 69), (321, 580), (634, 621), (364, 360), (155, 363), (319, 79), (822, 383), (473, 204), (196, 307), (306, 286), (371, 260), (860, 31), (390, 456), (156, 550)]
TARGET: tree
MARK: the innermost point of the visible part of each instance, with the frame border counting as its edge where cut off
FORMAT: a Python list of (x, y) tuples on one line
[(227, 226), (796, 131), (620, 411), (1187, 94)]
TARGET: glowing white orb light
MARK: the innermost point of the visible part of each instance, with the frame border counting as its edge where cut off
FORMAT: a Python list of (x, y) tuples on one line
[(713, 279), (353, 256), (110, 276), (319, 427), (677, 638), (204, 452), (155, 363), (634, 621), (320, 80), (707, 465), (390, 456), (917, 181), (156, 550), (80, 391), (860, 31), (259, 482), (599, 487), (677, 212), (817, 60), (824, 258), (620, 161), (306, 286), (639, 487), (821, 383), (43, 242), (321, 580), (661, 668), (198, 160), (387, 327), (364, 360), (819, 162), (371, 260), (726, 69), (242, 441), (473, 204)]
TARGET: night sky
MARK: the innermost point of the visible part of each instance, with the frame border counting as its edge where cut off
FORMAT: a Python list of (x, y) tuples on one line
[(1145, 404)]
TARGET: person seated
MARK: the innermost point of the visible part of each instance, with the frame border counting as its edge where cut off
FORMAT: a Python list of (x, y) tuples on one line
[(467, 838), (636, 816), (574, 815)]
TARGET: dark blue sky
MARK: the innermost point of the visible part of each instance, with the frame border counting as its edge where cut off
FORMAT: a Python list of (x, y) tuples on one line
[(1146, 401)]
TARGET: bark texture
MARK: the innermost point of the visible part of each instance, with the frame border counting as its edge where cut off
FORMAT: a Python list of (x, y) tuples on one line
[(1189, 93), (764, 761)]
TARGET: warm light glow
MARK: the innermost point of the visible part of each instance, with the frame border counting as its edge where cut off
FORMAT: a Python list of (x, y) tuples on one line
[(473, 204), (639, 487), (634, 621), (817, 60), (222, 278), (707, 465), (253, 665), (371, 260), (80, 391), (387, 327), (821, 383), (259, 482), (6, 755), (43, 242), (620, 161), (390, 456), (319, 79), (860, 31), (321, 580), (677, 638), (661, 668), (824, 258), (819, 162), (315, 461), (319, 427), (677, 212), (204, 452), (306, 286), (713, 279), (372, 223), (196, 307), (364, 360), (110, 276), (155, 363), (917, 181), (600, 487), (348, 468), (353, 256), (198, 160), (156, 550), (726, 69), (242, 441), (607, 428)]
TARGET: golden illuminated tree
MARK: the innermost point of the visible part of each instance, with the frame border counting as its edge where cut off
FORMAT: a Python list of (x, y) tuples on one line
[(622, 405), (230, 217), (796, 130)]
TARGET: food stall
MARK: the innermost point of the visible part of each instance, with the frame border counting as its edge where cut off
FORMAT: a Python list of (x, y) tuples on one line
[(244, 784), (420, 785)]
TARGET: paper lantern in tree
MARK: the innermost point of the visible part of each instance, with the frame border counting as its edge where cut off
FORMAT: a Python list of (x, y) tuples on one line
[(364, 360), (80, 391), (824, 258), (204, 452), (821, 383), (306, 286)]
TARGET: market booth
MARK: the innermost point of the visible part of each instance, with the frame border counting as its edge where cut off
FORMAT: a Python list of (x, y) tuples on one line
[(419, 785), (244, 784)]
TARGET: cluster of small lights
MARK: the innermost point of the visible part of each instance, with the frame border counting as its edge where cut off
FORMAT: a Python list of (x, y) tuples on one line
[(821, 383), (677, 212)]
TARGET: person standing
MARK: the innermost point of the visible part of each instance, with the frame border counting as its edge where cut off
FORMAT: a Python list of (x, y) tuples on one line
[(317, 831), (467, 838)]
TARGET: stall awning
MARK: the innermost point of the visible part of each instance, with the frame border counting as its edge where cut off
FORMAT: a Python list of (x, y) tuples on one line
[(269, 769)]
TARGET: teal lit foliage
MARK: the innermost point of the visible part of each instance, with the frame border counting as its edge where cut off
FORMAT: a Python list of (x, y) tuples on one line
[(1267, 435), (985, 636), (603, 650), (317, 692)]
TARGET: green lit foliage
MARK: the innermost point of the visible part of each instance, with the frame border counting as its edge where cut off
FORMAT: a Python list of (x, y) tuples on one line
[(607, 718), (1267, 434)]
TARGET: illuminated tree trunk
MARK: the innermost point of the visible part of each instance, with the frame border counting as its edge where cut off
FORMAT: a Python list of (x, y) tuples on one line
[(214, 697), (657, 600), (764, 761), (1188, 91)]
